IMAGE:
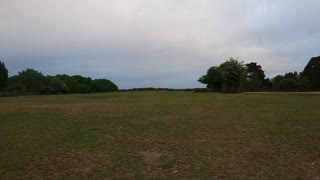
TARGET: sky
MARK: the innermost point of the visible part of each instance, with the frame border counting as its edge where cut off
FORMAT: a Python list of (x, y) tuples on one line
[(156, 43)]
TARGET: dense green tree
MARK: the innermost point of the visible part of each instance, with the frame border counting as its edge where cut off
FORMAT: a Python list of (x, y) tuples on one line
[(103, 85), (288, 85), (312, 72), (276, 82), (3, 76), (304, 84), (291, 75), (73, 84), (57, 86), (291, 81), (254, 67), (62, 76), (83, 88), (15, 85), (213, 79), (85, 83), (254, 77), (267, 84), (33, 80), (233, 73)]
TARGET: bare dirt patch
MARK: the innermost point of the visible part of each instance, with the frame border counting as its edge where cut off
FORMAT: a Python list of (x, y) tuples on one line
[(158, 162)]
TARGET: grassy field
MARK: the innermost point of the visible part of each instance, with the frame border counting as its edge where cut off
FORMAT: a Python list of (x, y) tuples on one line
[(161, 135)]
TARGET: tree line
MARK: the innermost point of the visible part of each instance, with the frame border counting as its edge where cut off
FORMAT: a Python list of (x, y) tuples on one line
[(235, 76), (231, 76), (31, 81)]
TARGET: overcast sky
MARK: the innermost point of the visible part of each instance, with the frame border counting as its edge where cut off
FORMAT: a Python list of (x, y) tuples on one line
[(159, 43)]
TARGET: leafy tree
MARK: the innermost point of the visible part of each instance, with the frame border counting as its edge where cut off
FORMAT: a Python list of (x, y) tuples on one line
[(83, 88), (62, 76), (33, 80), (15, 85), (253, 67), (213, 79), (85, 83), (267, 84), (290, 82), (73, 84), (312, 72), (57, 86), (3, 76), (304, 84), (255, 77), (288, 85), (233, 73), (276, 82), (103, 85), (291, 75)]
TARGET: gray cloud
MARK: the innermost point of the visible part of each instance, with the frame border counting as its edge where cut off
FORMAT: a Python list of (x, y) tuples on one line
[(163, 43)]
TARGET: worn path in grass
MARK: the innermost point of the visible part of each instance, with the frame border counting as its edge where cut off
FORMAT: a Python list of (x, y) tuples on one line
[(161, 135)]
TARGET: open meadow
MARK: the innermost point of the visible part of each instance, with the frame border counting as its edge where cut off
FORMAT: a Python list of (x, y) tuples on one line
[(161, 135)]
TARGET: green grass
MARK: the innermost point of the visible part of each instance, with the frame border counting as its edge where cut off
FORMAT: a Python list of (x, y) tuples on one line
[(161, 135)]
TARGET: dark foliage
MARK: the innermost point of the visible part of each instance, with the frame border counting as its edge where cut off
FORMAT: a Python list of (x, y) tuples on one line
[(312, 72), (288, 85), (292, 81), (213, 79), (251, 77), (233, 73), (3, 76), (255, 78), (276, 82), (57, 86), (31, 81), (228, 77), (304, 84), (72, 83), (103, 85), (267, 84)]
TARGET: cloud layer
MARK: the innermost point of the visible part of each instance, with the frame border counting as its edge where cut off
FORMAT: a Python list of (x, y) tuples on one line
[(161, 43)]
